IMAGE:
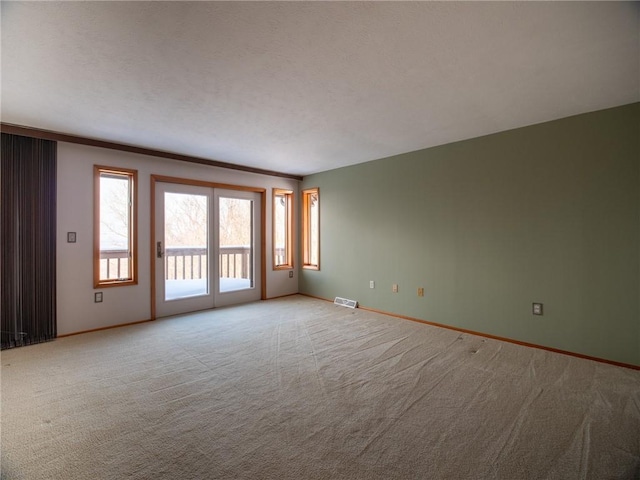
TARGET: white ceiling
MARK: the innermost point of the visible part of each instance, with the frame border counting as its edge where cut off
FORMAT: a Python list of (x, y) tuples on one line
[(302, 87)]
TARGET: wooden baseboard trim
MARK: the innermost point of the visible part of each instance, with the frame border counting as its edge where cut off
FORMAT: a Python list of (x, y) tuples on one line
[(493, 337), (104, 328), (282, 296)]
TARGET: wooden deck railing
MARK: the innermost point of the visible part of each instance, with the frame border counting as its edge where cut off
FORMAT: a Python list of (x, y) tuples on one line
[(183, 263), (114, 264), (235, 262), (279, 256)]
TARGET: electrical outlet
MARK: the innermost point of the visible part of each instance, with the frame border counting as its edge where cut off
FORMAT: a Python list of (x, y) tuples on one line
[(394, 288), (290, 273), (372, 284), (97, 297), (420, 292), (536, 308)]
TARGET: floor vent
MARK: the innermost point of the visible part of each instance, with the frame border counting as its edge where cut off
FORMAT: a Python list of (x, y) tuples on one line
[(345, 302)]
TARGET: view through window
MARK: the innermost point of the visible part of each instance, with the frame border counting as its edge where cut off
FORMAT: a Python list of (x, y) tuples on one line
[(115, 231), (236, 244), (282, 228), (186, 250), (311, 228)]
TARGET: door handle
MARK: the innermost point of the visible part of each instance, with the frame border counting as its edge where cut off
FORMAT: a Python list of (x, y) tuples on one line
[(159, 251)]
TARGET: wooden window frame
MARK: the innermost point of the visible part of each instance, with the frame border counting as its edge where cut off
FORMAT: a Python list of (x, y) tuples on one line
[(306, 228), (288, 195), (98, 170)]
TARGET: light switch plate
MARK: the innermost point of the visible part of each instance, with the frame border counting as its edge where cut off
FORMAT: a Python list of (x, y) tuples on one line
[(71, 237), (97, 297)]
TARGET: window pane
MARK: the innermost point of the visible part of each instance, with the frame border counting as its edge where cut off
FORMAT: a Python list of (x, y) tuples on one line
[(236, 244), (311, 228), (282, 228), (115, 227), (114, 256), (314, 218), (186, 233), (280, 233)]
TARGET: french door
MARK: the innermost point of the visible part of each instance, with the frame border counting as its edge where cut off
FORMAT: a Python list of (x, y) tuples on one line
[(207, 247), (236, 224)]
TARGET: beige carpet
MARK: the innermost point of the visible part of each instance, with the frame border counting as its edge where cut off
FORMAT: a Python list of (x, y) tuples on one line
[(297, 388)]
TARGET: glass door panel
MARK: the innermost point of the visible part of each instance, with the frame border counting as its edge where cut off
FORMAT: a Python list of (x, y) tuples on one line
[(186, 250), (207, 248), (236, 258), (183, 259), (237, 231)]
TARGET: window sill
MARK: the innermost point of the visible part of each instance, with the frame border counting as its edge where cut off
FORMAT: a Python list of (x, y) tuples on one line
[(114, 283)]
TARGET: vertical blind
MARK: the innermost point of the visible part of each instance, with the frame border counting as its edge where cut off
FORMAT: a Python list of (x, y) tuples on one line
[(28, 240)]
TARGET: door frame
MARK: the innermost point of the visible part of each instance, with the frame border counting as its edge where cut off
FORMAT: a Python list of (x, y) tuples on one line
[(201, 183)]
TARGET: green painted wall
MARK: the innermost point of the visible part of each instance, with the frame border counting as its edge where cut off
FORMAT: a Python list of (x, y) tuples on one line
[(548, 213)]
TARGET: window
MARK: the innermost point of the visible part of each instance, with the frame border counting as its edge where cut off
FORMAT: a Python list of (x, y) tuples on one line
[(311, 228), (115, 225), (282, 227)]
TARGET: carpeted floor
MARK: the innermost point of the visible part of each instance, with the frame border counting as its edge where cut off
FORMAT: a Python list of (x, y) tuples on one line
[(297, 388)]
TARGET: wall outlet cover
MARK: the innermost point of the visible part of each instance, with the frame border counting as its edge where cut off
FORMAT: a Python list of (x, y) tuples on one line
[(71, 237), (394, 288), (537, 309), (290, 273), (97, 297)]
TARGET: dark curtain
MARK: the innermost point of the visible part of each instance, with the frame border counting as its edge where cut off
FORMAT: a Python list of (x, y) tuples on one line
[(27, 240)]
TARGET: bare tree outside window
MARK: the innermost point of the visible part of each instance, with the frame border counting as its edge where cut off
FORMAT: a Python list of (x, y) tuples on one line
[(235, 221), (184, 216), (115, 212), (236, 233), (187, 240)]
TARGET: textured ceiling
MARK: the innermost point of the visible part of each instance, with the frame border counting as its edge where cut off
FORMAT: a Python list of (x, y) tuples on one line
[(302, 87)]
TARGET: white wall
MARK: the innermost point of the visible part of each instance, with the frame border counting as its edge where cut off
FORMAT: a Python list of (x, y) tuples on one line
[(77, 311)]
